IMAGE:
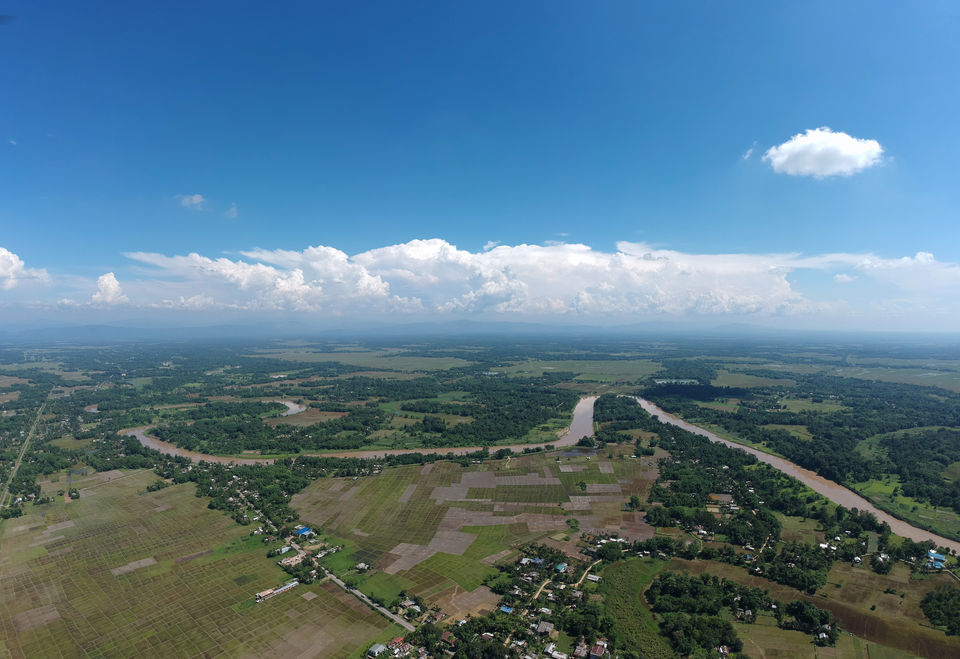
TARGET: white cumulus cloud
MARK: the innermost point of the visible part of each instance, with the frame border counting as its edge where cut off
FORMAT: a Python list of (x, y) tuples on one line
[(13, 270), (821, 152), (108, 291), (192, 201), (433, 278)]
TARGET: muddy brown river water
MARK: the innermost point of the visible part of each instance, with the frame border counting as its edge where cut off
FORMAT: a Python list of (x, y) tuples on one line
[(582, 426), (833, 491)]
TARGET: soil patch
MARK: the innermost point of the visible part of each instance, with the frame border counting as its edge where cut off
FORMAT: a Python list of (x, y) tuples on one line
[(133, 565), (190, 557), (42, 615), (407, 493)]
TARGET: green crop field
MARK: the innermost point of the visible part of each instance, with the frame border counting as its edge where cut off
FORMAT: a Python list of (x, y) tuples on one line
[(438, 529), (808, 405), (123, 572), (591, 370), (732, 379), (380, 359)]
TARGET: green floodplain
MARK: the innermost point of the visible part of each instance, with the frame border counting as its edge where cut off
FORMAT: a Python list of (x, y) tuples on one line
[(109, 548)]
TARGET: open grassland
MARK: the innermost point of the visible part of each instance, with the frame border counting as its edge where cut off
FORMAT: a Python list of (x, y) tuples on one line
[(391, 360), (727, 405), (764, 639), (307, 418), (794, 529), (623, 586), (437, 530), (949, 380), (766, 365), (938, 519), (897, 622), (809, 405), (800, 432), (48, 366), (123, 572), (592, 370), (733, 379)]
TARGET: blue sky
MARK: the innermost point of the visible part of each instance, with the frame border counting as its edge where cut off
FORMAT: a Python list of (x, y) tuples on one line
[(222, 129)]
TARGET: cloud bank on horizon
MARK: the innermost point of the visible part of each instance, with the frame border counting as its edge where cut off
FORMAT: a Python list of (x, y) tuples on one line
[(434, 278)]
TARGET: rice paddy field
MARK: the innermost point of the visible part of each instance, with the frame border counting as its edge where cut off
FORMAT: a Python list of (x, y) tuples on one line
[(437, 530), (896, 622), (121, 572)]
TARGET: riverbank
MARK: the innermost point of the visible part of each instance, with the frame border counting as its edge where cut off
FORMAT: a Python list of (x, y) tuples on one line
[(829, 489), (580, 426)]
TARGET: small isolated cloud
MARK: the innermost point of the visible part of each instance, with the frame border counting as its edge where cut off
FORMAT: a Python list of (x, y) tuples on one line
[(821, 152), (843, 278), (13, 270), (749, 152), (192, 201), (232, 212), (108, 291), (490, 244), (13, 142)]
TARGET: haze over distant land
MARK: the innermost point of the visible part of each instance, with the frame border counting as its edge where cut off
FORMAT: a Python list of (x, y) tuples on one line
[(553, 163)]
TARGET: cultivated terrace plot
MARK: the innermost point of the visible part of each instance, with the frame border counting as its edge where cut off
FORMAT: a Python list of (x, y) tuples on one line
[(438, 529), (122, 572)]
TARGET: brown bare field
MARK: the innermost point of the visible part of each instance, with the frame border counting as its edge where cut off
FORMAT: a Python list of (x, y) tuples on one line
[(42, 615), (307, 418), (459, 604), (9, 396), (133, 565), (9, 380)]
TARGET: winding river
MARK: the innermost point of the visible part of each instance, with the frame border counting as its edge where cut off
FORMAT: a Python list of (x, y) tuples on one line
[(833, 491), (582, 426)]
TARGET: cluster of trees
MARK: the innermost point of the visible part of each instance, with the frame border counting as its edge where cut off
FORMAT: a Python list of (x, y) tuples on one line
[(691, 606), (868, 409), (919, 458), (797, 564), (942, 607)]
